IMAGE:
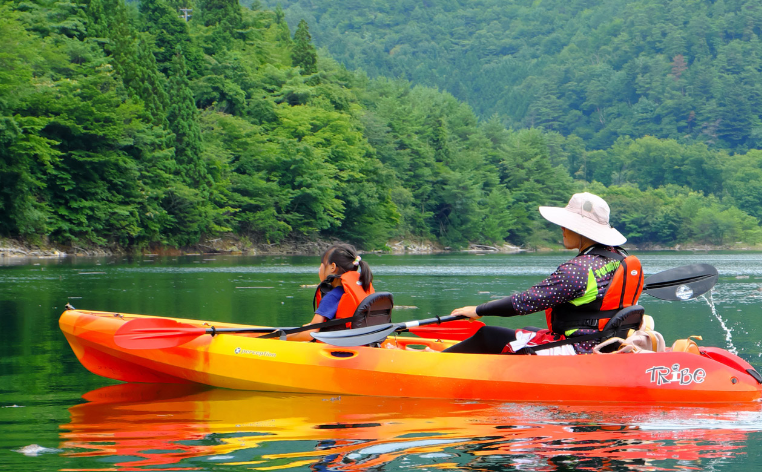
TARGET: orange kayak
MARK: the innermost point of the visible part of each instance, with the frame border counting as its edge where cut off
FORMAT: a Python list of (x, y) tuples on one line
[(247, 362)]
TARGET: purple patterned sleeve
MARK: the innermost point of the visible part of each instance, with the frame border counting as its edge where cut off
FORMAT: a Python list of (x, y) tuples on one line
[(568, 282)]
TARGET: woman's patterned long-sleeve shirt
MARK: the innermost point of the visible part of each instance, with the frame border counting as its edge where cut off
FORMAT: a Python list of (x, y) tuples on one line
[(580, 281)]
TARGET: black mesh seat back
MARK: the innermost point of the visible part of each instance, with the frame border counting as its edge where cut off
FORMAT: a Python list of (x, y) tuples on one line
[(376, 309), (625, 319)]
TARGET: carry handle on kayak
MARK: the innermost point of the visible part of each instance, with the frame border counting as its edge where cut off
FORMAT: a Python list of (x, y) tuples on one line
[(681, 283)]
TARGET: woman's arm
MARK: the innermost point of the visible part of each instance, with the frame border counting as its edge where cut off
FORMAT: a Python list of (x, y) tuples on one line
[(502, 307), (566, 283)]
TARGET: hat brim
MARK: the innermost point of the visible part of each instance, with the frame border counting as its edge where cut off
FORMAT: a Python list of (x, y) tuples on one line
[(599, 233)]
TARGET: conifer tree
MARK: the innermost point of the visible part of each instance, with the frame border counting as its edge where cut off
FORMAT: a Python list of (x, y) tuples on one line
[(280, 15), (97, 23), (169, 32), (131, 57), (148, 84), (183, 121), (176, 5), (282, 32), (303, 54), (220, 12)]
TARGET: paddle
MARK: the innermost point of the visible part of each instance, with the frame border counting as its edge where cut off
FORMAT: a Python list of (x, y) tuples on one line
[(162, 333), (374, 334), (680, 283)]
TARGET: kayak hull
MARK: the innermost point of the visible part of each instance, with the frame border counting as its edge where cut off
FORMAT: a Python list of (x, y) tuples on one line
[(246, 362)]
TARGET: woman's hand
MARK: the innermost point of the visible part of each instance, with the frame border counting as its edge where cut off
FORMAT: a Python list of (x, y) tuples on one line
[(469, 311)]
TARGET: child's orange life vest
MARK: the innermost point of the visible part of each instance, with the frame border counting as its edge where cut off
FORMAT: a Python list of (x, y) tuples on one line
[(353, 295)]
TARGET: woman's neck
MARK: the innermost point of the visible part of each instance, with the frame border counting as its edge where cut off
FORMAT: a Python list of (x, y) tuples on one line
[(585, 244)]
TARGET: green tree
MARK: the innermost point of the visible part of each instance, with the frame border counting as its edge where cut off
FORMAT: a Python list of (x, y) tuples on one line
[(132, 59), (526, 171), (98, 146), (303, 54), (183, 122), (169, 32), (597, 71), (25, 156), (224, 13)]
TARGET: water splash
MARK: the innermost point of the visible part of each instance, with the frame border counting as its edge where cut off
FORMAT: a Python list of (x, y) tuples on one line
[(728, 332), (34, 450)]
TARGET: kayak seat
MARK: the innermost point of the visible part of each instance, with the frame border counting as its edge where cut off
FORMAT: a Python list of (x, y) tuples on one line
[(375, 309), (626, 319), (619, 326)]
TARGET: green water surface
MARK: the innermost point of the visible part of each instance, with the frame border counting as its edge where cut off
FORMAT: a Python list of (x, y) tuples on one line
[(42, 384)]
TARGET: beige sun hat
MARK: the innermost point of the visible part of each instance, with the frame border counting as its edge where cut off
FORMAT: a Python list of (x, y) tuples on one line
[(588, 215)]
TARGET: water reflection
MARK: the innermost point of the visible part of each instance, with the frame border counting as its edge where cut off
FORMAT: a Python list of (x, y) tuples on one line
[(177, 427)]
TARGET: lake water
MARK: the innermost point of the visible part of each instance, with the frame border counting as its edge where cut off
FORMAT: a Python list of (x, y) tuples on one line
[(55, 415)]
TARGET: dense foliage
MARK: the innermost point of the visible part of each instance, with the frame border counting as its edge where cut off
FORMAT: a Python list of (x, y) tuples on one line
[(684, 69), (122, 124)]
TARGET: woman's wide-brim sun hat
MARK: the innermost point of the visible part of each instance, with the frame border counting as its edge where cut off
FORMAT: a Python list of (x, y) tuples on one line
[(588, 215)]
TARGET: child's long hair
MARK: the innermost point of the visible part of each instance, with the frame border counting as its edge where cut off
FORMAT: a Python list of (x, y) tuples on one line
[(346, 259)]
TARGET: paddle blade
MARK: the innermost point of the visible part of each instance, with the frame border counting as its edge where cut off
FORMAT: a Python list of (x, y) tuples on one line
[(452, 330), (356, 337), (155, 333), (682, 283)]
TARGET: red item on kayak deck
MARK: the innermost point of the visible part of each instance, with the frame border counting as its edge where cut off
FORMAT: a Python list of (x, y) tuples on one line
[(451, 330)]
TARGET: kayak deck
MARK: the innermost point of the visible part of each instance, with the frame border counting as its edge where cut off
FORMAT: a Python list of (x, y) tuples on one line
[(245, 362)]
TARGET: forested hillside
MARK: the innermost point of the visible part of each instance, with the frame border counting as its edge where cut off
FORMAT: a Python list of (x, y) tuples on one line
[(684, 69), (124, 125)]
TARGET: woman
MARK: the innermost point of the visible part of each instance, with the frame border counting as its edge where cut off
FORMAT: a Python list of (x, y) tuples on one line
[(579, 297)]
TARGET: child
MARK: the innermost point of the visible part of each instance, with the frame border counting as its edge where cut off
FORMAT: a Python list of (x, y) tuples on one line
[(346, 281)]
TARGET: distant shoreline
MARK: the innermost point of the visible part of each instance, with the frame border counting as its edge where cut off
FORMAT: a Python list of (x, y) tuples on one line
[(10, 249)]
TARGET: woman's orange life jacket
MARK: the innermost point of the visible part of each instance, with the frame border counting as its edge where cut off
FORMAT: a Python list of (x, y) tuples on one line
[(353, 295), (623, 290)]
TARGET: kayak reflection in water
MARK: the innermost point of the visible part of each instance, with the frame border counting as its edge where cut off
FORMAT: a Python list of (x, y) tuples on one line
[(134, 426), (345, 281), (578, 298)]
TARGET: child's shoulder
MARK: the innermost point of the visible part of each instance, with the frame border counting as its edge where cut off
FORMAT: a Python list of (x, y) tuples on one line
[(336, 292)]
